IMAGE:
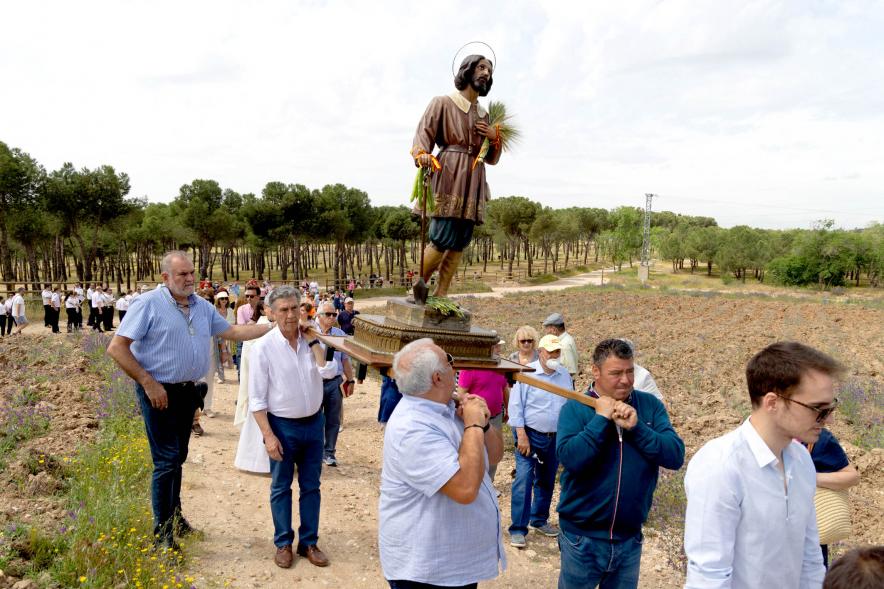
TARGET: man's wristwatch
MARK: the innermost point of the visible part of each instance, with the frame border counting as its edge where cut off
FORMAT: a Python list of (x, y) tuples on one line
[(312, 343), (351, 381), (483, 427)]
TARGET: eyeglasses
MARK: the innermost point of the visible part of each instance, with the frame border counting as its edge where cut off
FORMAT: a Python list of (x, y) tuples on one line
[(822, 413), (250, 296), (526, 341), (450, 359), (330, 314)]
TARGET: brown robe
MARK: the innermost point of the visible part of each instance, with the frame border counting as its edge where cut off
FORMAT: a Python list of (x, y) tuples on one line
[(459, 191)]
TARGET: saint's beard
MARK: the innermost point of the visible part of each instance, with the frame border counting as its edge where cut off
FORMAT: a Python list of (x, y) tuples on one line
[(480, 87)]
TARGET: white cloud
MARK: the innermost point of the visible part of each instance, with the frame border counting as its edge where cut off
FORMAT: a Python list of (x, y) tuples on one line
[(708, 104)]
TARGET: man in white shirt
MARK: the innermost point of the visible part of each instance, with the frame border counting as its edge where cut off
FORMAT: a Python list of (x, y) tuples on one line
[(18, 310), (96, 304), (123, 305), (286, 368), (643, 380), (750, 518), (54, 309), (46, 296), (555, 325)]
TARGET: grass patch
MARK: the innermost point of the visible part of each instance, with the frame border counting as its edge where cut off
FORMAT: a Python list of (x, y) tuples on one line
[(667, 516), (106, 537), (861, 403), (542, 279), (21, 419)]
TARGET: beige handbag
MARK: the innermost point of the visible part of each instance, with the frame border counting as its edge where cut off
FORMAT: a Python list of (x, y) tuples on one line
[(832, 513)]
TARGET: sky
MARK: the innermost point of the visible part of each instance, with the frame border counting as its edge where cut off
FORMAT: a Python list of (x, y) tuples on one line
[(764, 113)]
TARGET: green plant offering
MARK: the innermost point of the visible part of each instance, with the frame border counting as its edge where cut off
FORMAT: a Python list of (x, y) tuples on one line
[(445, 306), (507, 133)]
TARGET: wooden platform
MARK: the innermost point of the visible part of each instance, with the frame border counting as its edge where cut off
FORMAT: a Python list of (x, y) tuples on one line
[(514, 371)]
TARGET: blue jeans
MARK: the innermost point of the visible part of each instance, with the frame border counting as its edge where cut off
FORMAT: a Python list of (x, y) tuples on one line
[(590, 562), (332, 401), (237, 358), (168, 433), (538, 472), (301, 441)]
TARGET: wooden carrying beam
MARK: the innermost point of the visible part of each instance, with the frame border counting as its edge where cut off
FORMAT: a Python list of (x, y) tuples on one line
[(554, 389)]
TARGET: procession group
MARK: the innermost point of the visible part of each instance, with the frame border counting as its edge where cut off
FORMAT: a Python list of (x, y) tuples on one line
[(750, 518)]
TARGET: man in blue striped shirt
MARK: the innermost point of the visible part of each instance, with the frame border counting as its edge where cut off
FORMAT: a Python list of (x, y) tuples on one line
[(163, 344)]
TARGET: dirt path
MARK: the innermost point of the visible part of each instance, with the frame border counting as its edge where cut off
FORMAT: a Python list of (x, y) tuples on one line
[(595, 277), (232, 508)]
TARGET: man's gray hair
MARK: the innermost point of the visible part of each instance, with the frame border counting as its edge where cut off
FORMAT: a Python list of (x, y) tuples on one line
[(166, 262), (414, 365), (325, 304), (283, 292)]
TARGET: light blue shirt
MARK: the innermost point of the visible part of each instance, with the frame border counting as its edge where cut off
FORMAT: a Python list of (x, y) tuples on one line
[(169, 346), (743, 528), (339, 356), (536, 408), (424, 535)]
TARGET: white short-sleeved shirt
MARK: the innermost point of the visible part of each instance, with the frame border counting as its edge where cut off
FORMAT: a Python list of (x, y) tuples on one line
[(97, 299), (18, 306), (46, 295), (55, 300)]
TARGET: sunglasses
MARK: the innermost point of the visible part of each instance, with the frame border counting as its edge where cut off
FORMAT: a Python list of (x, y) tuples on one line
[(330, 314), (526, 341), (250, 296), (822, 413)]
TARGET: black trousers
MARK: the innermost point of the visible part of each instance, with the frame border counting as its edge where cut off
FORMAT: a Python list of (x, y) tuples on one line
[(93, 313), (3, 324), (10, 322), (53, 319), (47, 314)]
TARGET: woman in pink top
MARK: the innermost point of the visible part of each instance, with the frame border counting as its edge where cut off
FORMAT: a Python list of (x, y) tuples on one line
[(491, 386)]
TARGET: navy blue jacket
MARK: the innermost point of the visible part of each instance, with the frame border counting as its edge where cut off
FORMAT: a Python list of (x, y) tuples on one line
[(608, 484)]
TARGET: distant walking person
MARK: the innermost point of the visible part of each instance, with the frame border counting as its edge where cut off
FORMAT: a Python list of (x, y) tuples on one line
[(54, 309), (18, 310), (2, 317), (97, 307), (71, 304), (7, 308), (46, 296)]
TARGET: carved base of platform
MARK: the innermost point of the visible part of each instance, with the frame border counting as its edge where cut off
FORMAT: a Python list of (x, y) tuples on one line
[(406, 312), (386, 335)]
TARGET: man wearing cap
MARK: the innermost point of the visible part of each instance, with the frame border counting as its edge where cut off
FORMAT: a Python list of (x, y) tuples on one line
[(533, 416), (611, 455), (555, 325), (345, 317)]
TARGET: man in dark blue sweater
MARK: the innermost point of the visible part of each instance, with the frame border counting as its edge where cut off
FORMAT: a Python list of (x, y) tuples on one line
[(611, 456)]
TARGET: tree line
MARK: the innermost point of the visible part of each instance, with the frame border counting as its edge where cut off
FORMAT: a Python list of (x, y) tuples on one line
[(80, 224)]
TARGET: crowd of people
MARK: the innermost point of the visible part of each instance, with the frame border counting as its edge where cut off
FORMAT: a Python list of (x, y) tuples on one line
[(750, 518)]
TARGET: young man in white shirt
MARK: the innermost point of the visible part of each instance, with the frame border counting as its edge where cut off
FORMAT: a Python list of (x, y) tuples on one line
[(750, 518)]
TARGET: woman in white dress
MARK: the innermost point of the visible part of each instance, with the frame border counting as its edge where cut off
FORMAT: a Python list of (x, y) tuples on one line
[(251, 455)]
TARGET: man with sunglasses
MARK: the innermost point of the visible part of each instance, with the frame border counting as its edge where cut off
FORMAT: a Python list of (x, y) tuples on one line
[(332, 397), (750, 518)]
